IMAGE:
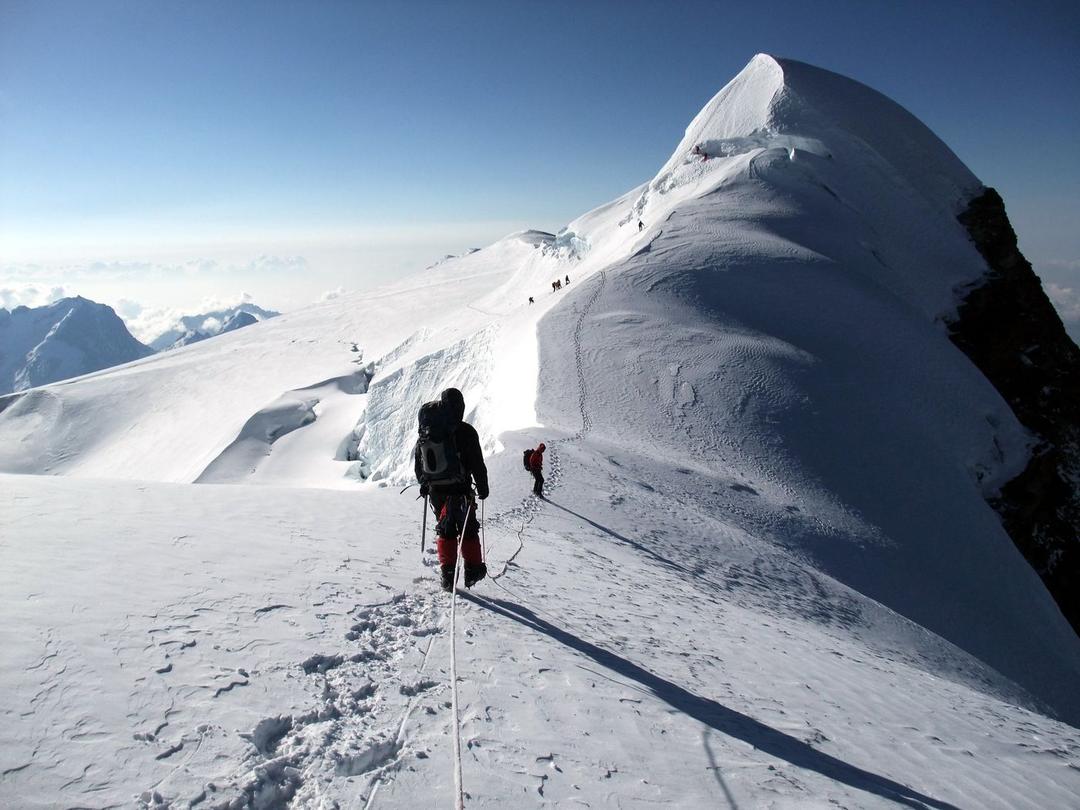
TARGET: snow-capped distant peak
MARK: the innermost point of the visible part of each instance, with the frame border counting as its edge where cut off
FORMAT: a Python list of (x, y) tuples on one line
[(195, 328), (66, 338)]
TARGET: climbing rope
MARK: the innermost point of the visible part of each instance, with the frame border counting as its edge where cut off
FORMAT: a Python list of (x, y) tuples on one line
[(586, 427), (459, 793)]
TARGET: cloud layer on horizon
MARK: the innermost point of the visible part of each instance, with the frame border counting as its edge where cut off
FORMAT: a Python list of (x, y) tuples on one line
[(30, 295)]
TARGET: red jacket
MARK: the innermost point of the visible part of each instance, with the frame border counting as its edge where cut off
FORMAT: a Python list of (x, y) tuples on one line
[(536, 460)]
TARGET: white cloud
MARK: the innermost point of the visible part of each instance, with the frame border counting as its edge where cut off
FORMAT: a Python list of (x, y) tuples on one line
[(1067, 302), (215, 303), (277, 264), (260, 267), (147, 323), (30, 295), (128, 309)]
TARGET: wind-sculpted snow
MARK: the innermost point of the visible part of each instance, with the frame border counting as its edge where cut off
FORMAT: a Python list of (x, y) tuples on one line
[(765, 572), (259, 455)]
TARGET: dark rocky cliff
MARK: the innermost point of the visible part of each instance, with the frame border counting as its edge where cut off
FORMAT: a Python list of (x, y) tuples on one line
[(1010, 330)]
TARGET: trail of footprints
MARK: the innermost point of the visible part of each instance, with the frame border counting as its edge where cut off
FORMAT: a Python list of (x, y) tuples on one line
[(363, 695)]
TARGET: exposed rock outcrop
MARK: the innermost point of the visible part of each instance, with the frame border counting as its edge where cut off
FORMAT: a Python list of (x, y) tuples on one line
[(1010, 330)]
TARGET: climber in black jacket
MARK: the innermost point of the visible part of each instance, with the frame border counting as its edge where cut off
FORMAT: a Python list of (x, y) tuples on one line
[(452, 498)]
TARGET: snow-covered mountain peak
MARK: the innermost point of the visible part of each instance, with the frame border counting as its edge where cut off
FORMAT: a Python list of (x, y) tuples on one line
[(742, 108), (66, 338), (776, 103)]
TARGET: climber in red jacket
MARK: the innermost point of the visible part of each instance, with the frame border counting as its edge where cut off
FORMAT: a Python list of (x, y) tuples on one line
[(536, 467)]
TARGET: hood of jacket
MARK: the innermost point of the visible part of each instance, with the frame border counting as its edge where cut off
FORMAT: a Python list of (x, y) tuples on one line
[(453, 400)]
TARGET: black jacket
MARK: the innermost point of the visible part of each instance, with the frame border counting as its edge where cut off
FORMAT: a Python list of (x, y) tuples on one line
[(467, 442)]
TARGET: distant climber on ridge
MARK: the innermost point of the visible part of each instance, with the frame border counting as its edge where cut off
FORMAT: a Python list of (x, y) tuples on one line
[(534, 463), (447, 459)]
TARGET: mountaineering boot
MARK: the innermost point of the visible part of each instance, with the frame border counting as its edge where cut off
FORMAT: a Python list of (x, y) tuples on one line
[(448, 577), (474, 573)]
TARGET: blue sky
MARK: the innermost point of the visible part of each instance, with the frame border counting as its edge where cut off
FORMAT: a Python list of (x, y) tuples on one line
[(139, 140)]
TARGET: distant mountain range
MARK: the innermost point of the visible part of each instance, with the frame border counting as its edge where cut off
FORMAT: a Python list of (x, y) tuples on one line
[(195, 328), (75, 336)]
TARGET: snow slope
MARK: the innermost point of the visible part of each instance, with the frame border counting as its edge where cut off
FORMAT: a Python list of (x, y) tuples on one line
[(766, 576)]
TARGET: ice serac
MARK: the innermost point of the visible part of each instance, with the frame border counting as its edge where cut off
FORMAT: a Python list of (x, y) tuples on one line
[(67, 338)]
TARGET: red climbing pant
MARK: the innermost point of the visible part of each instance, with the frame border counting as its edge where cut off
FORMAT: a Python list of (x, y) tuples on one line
[(451, 509)]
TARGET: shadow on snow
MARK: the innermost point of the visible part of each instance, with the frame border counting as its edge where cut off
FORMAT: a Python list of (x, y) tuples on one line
[(717, 716)]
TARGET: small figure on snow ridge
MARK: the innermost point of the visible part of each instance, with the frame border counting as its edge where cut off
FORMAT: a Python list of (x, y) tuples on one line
[(534, 463), (447, 459)]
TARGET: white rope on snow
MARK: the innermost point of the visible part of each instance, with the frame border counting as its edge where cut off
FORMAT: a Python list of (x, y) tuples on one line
[(459, 793), (586, 427)]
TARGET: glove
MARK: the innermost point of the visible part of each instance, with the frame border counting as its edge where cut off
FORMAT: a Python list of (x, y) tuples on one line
[(481, 492), (425, 488)]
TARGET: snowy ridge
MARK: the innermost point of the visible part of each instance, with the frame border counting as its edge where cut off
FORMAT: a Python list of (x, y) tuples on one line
[(766, 574)]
